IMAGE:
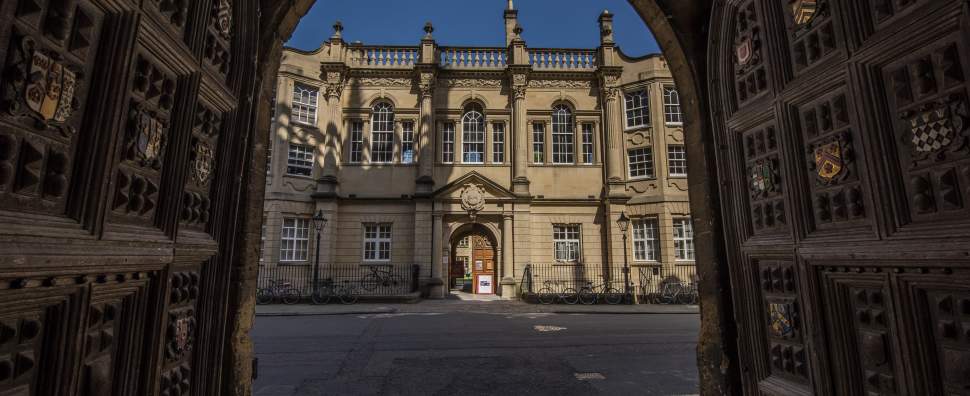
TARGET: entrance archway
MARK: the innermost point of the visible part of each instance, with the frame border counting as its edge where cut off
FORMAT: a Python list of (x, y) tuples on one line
[(474, 261)]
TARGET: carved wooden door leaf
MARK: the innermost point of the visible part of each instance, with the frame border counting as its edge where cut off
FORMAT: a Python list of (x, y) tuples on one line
[(114, 147), (847, 127)]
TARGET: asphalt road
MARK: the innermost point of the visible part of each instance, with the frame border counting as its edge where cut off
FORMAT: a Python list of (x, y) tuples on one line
[(476, 354)]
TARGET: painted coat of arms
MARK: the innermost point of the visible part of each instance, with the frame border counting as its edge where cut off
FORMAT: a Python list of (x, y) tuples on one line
[(829, 161), (149, 139), (223, 17), (762, 178), (804, 11), (744, 51), (202, 164), (183, 334), (938, 127), (47, 88), (780, 319)]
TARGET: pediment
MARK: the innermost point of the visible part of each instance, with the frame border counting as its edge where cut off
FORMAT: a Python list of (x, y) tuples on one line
[(490, 189)]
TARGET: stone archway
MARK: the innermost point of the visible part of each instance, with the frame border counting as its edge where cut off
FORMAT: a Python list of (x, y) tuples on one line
[(676, 26), (493, 241)]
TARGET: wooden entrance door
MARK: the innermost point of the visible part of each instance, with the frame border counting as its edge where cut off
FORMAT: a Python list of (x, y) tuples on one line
[(122, 142), (483, 265), (845, 129)]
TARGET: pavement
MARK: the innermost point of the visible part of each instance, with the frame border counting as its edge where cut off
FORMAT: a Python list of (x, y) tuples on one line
[(461, 351), (469, 303)]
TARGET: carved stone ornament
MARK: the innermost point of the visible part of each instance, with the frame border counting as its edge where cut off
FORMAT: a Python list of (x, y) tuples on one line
[(426, 84), (202, 163), (335, 84), (472, 83), (577, 84), (518, 92), (519, 79), (224, 17), (937, 128), (44, 85), (472, 199), (382, 82)]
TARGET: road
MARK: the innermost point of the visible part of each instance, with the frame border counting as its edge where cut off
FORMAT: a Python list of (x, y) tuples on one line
[(461, 353)]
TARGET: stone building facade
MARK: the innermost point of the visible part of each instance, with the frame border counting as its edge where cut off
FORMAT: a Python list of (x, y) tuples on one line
[(535, 152)]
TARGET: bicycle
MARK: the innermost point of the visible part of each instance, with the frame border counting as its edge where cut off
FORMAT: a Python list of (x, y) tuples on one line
[(678, 293), (548, 294), (590, 294), (327, 289), (380, 277), (278, 289)]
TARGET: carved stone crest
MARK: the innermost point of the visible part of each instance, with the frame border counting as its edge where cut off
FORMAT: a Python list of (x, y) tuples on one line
[(45, 85), (202, 163), (472, 199)]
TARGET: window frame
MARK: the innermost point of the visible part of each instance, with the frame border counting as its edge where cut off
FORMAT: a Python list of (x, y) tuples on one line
[(684, 242), (386, 112), (670, 92), (649, 238), (297, 104), (538, 143), (644, 109), (377, 240), (566, 230), (588, 150), (407, 142), (498, 142), (301, 226), (651, 172), (356, 152), (448, 142), (563, 135), (681, 162), (473, 119), (307, 155)]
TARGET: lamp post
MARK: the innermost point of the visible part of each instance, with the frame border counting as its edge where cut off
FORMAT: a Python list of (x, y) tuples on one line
[(624, 224), (318, 222)]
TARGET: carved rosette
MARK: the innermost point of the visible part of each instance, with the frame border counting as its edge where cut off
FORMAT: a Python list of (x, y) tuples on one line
[(472, 199)]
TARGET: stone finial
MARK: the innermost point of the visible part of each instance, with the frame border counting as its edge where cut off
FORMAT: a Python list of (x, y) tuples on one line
[(510, 6), (518, 30), (428, 29), (338, 27), (606, 13)]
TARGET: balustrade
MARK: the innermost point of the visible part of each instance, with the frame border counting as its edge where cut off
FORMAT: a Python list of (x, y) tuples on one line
[(472, 58), (384, 57), (562, 59)]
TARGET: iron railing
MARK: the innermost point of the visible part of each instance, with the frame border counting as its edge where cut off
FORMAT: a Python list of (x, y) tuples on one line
[(362, 280), (667, 284), (651, 284)]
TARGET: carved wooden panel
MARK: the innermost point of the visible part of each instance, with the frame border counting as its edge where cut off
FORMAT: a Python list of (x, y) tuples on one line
[(931, 115), (950, 319), (765, 185), (181, 332), (173, 14), (50, 56), (20, 348), (145, 144), (812, 31), (204, 144), (750, 65), (217, 51), (786, 348)]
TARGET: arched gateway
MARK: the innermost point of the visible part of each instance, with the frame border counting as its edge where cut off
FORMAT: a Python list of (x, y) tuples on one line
[(829, 197)]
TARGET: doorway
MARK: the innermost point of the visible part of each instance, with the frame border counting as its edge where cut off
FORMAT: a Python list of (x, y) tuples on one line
[(473, 267)]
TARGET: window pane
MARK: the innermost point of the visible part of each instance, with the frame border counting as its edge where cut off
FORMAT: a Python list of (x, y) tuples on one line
[(641, 162), (538, 142), (588, 144), (304, 108), (407, 142), (562, 135), (382, 133), (566, 242), (299, 160), (637, 109), (646, 241), (683, 239), (498, 143), (377, 242), (294, 239), (473, 135), (677, 160), (448, 143), (672, 113)]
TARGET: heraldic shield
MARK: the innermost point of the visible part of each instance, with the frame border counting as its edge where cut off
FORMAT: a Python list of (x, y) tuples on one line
[(829, 162), (50, 86)]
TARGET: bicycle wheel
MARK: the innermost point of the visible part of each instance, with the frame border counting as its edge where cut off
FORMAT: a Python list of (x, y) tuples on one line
[(569, 296), (395, 281), (369, 282), (546, 296), (587, 296), (686, 298), (264, 296), (347, 295), (613, 296), (320, 296), (290, 296)]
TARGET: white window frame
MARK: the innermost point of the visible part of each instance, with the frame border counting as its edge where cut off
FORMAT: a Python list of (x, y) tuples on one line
[(676, 160), (538, 143), (636, 112), (683, 239), (448, 142), (646, 240), (295, 240), (377, 240), (303, 110), (588, 149), (563, 136), (299, 157), (382, 134), (673, 114), (634, 159), (473, 135), (407, 142), (498, 142), (356, 141), (567, 243)]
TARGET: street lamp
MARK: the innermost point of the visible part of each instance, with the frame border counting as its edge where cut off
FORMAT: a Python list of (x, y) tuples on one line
[(318, 222), (624, 224)]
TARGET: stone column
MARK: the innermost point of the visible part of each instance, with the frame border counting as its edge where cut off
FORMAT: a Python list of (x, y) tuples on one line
[(508, 266), (518, 70), (436, 283), (613, 133), (425, 71)]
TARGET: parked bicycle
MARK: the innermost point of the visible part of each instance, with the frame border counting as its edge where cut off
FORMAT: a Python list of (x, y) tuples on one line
[(327, 289), (590, 294), (678, 293), (380, 276), (278, 289), (552, 291)]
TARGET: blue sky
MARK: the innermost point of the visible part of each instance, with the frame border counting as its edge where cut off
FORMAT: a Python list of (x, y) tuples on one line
[(547, 23)]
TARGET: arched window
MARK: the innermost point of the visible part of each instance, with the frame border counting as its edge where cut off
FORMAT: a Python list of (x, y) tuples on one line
[(304, 108), (563, 136), (637, 109), (382, 133), (473, 135), (672, 114)]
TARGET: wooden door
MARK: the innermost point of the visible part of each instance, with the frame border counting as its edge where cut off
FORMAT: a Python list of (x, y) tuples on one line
[(120, 128), (845, 132), (483, 265)]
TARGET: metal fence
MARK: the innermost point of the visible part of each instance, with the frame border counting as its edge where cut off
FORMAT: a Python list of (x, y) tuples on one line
[(653, 284), (362, 280)]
